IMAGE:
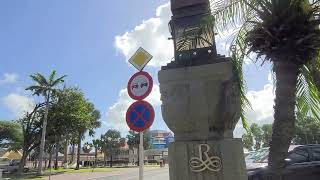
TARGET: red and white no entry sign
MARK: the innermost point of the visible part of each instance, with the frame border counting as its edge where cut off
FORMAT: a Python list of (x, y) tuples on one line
[(140, 85)]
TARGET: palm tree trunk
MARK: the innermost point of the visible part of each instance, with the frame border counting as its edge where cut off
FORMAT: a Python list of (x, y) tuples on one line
[(284, 116), (43, 136), (105, 158), (111, 160), (79, 151), (57, 154), (95, 156), (50, 157), (72, 153), (65, 160)]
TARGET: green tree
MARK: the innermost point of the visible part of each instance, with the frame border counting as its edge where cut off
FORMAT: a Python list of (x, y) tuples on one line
[(307, 131), (267, 134), (97, 144), (134, 140), (285, 33), (31, 129), (44, 87), (10, 135), (257, 135), (87, 147), (111, 143), (247, 140), (88, 120), (62, 122)]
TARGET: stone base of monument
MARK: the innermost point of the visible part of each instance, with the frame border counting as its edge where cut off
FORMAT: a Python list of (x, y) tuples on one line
[(201, 105), (207, 160)]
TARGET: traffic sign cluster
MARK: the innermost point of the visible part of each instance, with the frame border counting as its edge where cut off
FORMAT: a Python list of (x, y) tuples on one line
[(140, 115)]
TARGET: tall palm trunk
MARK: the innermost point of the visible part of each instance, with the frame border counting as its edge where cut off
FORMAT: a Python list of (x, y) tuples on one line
[(79, 151), (50, 156), (43, 136), (95, 156), (72, 153), (105, 158), (57, 154), (111, 163), (284, 116), (65, 160)]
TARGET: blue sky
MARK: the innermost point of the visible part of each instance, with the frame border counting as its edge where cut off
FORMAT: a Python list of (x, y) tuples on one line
[(90, 41)]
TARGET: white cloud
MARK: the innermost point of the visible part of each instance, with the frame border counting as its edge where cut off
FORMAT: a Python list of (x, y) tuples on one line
[(152, 35), (262, 103), (18, 104), (115, 115), (8, 78)]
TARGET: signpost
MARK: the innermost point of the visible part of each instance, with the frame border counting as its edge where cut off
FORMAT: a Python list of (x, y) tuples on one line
[(140, 114)]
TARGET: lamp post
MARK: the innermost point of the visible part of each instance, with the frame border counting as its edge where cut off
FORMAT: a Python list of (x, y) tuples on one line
[(191, 28)]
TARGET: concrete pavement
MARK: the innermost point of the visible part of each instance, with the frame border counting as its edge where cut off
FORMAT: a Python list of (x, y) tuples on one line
[(150, 173)]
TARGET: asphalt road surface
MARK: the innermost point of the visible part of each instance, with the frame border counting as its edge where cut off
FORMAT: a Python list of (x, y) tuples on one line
[(149, 174)]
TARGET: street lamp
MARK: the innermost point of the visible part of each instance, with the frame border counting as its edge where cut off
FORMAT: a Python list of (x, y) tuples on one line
[(191, 28)]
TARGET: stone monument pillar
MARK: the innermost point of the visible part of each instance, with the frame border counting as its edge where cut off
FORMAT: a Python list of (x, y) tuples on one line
[(201, 101)]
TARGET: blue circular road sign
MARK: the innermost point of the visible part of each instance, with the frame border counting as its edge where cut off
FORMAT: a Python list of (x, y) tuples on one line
[(140, 116)]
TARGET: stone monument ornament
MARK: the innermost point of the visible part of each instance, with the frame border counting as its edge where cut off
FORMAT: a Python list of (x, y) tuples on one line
[(199, 164), (200, 100)]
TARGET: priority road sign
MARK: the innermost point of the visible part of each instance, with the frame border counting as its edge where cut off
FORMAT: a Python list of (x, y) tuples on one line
[(140, 59), (140, 85), (140, 116)]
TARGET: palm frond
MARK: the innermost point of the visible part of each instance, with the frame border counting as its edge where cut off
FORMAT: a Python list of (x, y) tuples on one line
[(58, 81), (308, 97), (40, 79), (52, 75), (239, 53), (232, 13)]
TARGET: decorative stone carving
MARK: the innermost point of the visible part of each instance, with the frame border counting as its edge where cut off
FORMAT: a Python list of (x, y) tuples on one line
[(204, 161), (200, 102)]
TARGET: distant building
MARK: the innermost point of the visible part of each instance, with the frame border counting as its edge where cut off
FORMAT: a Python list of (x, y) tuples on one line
[(159, 142), (160, 139)]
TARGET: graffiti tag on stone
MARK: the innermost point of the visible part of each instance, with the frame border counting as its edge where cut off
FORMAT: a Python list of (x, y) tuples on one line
[(204, 161)]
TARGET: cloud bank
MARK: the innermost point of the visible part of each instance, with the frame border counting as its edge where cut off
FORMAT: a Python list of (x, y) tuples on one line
[(18, 104)]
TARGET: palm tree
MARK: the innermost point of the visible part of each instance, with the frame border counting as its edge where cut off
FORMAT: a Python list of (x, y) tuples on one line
[(97, 146), (285, 33), (45, 88)]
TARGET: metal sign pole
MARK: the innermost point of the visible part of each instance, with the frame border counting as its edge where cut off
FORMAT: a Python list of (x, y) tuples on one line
[(141, 155)]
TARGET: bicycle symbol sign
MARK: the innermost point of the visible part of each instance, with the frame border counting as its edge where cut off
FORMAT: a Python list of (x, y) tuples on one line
[(140, 116)]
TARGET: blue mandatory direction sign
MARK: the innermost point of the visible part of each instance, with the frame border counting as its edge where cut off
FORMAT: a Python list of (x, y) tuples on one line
[(140, 116)]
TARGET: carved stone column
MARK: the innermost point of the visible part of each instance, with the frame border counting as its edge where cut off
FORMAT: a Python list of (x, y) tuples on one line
[(201, 105)]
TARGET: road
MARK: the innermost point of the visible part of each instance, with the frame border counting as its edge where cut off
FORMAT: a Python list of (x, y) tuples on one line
[(150, 173)]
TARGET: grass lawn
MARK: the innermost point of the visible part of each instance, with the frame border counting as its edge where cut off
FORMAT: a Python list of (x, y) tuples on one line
[(31, 175)]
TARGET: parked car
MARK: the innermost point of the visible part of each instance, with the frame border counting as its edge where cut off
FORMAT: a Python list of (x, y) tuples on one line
[(13, 166), (254, 156), (303, 162)]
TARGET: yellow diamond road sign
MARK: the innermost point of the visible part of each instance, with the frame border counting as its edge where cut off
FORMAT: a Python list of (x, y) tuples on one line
[(140, 59)]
